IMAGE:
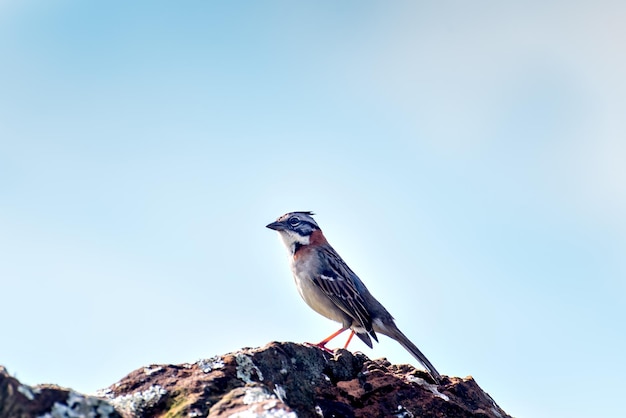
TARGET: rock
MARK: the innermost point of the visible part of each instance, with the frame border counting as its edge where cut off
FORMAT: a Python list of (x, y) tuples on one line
[(279, 380), (48, 401)]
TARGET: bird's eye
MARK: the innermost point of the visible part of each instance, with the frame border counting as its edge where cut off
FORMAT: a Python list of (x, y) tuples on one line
[(293, 221)]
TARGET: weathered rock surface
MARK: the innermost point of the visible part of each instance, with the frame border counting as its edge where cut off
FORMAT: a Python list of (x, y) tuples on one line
[(48, 401), (278, 380)]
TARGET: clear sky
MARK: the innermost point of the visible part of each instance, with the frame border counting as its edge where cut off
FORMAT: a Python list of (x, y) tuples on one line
[(468, 161)]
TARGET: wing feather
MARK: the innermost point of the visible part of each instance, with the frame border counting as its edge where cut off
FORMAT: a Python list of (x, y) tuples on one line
[(339, 283)]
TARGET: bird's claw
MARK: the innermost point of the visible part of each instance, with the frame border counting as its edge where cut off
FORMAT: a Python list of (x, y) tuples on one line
[(320, 345)]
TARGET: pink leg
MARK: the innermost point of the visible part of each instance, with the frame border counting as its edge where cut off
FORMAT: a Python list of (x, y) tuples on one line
[(322, 344), (349, 339)]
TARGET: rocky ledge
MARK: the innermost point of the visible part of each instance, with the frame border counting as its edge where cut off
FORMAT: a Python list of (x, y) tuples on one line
[(278, 380)]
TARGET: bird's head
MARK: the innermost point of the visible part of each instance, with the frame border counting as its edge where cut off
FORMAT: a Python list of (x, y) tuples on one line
[(296, 229)]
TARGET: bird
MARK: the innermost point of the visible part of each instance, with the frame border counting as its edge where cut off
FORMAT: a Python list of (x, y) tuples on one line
[(333, 290)]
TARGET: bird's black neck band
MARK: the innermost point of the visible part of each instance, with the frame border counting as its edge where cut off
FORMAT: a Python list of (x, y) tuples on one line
[(296, 246)]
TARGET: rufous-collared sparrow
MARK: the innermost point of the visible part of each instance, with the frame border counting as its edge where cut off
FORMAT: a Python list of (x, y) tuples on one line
[(332, 289)]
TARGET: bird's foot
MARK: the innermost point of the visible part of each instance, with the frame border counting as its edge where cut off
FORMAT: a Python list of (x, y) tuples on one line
[(321, 345)]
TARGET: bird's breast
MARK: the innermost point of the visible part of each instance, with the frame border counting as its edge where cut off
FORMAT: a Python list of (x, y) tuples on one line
[(305, 267)]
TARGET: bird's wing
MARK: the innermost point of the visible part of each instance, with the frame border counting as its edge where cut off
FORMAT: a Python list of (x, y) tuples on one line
[(339, 283)]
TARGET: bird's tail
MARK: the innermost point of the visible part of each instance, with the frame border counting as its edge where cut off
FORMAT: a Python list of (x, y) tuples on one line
[(396, 334)]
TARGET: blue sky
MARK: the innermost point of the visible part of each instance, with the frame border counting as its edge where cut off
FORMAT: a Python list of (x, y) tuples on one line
[(467, 161)]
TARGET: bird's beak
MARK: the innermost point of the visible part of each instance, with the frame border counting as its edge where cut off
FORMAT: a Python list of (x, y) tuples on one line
[(276, 226)]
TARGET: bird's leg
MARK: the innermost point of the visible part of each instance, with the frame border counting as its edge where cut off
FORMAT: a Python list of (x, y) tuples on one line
[(345, 347), (322, 344)]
